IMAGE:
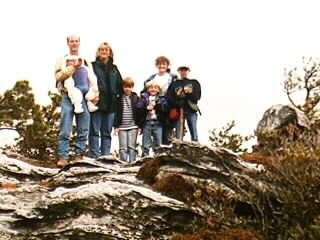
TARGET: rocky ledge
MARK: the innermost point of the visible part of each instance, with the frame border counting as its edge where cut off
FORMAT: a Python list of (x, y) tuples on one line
[(106, 200)]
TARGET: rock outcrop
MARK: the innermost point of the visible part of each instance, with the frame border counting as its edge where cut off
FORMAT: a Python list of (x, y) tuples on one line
[(105, 200), (282, 125), (279, 116)]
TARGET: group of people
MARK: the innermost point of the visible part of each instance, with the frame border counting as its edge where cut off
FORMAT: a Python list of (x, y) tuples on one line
[(100, 100)]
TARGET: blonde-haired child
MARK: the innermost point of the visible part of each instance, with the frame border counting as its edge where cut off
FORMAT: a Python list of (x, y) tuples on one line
[(152, 109)]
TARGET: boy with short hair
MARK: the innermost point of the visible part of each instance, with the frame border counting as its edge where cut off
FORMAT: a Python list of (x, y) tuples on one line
[(185, 93), (127, 123), (152, 108)]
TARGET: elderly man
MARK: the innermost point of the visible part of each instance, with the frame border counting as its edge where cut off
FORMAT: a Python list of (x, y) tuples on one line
[(81, 71)]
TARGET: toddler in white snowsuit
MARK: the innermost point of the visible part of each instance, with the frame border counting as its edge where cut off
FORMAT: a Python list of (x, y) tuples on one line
[(74, 93)]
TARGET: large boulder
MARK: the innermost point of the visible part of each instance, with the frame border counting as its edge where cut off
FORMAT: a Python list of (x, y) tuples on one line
[(282, 125), (279, 116)]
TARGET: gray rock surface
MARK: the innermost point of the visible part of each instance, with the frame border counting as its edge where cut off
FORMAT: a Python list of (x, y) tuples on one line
[(278, 116), (104, 199)]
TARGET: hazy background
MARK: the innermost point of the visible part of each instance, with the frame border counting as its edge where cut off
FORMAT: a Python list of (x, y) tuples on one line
[(236, 49)]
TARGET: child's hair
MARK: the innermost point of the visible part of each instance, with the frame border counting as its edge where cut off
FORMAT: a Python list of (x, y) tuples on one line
[(128, 82), (153, 84), (104, 45), (162, 59)]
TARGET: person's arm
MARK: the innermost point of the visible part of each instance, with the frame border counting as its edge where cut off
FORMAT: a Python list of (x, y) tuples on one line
[(162, 105), (174, 94), (143, 101), (141, 110), (195, 95), (62, 73), (93, 83), (118, 82)]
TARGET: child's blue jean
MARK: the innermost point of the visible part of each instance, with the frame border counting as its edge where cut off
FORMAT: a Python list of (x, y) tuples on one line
[(152, 136), (127, 144)]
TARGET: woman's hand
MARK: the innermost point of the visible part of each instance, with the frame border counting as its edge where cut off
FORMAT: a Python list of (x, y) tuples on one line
[(95, 100)]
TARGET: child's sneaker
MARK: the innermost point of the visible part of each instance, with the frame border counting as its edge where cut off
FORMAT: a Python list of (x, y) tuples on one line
[(78, 109), (92, 107)]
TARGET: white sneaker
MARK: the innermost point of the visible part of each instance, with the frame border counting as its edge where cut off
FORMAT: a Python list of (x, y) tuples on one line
[(78, 109), (92, 107)]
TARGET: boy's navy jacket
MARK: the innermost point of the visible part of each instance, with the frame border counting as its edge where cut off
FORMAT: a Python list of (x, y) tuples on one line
[(134, 100), (187, 101), (161, 108)]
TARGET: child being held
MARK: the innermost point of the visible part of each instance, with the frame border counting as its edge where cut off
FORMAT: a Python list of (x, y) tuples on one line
[(74, 93), (152, 109)]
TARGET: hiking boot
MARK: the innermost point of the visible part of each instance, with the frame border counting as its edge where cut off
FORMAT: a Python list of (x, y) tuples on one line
[(62, 162)]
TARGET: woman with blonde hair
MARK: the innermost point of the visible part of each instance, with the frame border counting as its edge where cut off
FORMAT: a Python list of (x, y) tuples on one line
[(110, 88)]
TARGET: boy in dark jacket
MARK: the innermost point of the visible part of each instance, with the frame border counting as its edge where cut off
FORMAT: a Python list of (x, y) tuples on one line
[(126, 122), (185, 93), (152, 109)]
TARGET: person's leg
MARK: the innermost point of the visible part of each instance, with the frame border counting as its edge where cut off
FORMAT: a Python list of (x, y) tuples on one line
[(65, 127), (74, 94), (177, 128), (192, 118), (94, 134), (82, 121), (77, 100), (106, 129), (132, 140), (157, 135), (146, 139), (123, 145), (165, 136)]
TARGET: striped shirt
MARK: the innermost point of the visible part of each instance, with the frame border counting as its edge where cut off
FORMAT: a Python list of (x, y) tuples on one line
[(127, 121)]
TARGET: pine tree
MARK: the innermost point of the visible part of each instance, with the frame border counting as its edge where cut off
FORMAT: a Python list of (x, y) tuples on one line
[(35, 124)]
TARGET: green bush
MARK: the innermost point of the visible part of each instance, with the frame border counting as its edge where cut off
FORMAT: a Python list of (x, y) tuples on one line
[(224, 138)]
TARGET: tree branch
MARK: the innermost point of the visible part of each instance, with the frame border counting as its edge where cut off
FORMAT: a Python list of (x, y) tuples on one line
[(291, 100)]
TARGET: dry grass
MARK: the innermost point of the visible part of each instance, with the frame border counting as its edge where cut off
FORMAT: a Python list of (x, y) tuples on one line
[(149, 171)]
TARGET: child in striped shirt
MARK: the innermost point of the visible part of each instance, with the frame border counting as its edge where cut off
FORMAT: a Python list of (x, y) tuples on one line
[(126, 123)]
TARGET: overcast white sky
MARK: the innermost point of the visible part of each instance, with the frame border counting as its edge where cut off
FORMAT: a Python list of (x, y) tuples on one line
[(236, 49)]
